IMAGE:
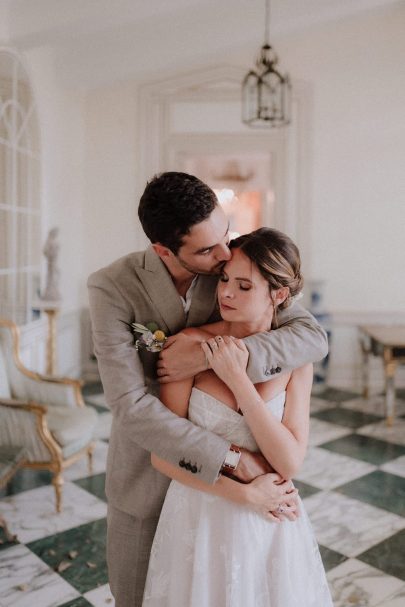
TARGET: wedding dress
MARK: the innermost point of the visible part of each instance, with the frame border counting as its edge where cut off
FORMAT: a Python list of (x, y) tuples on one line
[(210, 552)]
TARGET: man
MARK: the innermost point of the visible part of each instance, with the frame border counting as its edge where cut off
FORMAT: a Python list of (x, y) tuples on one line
[(173, 284)]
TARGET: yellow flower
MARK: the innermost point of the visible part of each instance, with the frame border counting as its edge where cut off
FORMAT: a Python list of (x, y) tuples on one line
[(159, 335)]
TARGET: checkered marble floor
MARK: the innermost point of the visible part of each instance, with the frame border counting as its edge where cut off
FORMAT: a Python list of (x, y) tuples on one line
[(352, 483)]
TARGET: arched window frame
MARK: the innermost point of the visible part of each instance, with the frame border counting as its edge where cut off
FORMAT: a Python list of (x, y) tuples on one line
[(20, 197)]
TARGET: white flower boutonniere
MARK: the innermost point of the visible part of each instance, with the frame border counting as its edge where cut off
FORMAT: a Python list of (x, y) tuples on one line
[(151, 337)]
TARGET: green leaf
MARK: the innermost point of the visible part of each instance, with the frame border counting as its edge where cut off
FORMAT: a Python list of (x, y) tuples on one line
[(139, 328)]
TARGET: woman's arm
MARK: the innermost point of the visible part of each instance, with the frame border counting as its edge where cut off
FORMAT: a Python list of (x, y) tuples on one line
[(283, 443), (263, 494)]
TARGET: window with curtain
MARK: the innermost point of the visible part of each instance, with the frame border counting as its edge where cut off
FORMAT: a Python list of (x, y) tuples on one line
[(20, 208)]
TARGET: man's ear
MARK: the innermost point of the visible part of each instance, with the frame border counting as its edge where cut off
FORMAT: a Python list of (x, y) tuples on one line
[(161, 250)]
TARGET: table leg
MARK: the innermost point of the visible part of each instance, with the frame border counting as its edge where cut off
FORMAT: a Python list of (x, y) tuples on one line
[(365, 369), (389, 368), (51, 342)]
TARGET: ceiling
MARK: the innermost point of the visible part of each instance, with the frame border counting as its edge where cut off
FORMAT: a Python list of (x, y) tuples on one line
[(99, 42)]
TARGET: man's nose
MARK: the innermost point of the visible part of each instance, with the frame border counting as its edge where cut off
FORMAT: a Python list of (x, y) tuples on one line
[(224, 253)]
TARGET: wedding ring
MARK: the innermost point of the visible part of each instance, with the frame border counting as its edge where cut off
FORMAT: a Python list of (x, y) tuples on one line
[(219, 338), (280, 510)]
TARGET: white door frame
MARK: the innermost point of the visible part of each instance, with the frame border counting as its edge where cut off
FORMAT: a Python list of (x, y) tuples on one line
[(290, 148)]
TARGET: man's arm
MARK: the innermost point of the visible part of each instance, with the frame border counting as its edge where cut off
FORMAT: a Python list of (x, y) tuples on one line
[(298, 340), (143, 419), (264, 494)]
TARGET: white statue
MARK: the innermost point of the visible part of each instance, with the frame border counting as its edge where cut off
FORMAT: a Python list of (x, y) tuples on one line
[(51, 250)]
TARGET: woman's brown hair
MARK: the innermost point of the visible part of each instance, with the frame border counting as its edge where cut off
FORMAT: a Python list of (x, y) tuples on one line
[(276, 257)]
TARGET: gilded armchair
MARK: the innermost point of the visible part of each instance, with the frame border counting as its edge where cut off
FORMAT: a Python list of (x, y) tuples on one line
[(45, 415)]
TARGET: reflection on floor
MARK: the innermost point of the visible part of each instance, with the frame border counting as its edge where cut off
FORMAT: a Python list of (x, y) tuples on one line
[(352, 482)]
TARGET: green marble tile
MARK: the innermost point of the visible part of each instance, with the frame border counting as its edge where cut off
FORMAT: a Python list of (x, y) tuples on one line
[(380, 489), (366, 448), (388, 555), (331, 558), (87, 569), (25, 479), (94, 484), (347, 417), (98, 408), (336, 395), (304, 489), (400, 393), (79, 602), (92, 387)]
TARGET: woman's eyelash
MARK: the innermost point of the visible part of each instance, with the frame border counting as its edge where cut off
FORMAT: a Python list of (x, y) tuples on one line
[(244, 288)]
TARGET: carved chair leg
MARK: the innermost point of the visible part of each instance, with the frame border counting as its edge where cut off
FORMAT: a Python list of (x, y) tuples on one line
[(57, 482), (9, 536), (90, 451)]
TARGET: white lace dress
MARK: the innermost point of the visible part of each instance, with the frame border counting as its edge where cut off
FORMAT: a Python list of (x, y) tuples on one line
[(210, 552)]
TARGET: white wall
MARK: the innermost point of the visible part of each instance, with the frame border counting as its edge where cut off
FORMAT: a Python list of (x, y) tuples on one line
[(358, 181), (61, 118), (110, 210), (359, 151), (91, 156)]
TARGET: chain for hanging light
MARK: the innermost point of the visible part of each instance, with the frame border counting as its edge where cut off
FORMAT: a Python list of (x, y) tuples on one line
[(266, 93)]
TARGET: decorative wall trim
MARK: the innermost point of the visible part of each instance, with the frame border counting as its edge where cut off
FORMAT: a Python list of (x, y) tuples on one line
[(159, 145), (361, 317)]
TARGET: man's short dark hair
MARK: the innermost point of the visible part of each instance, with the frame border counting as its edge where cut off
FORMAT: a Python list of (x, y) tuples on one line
[(171, 205)]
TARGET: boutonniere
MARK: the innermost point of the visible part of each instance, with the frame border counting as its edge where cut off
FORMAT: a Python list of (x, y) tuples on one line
[(151, 337)]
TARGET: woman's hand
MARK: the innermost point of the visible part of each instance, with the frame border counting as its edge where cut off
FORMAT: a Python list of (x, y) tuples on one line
[(227, 357)]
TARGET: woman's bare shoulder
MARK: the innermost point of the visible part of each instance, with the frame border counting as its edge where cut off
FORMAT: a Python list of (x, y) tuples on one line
[(215, 328)]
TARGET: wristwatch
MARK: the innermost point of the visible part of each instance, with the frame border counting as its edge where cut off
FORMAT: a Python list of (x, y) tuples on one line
[(231, 460)]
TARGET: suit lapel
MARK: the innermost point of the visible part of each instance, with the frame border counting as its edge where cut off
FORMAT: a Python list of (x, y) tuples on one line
[(203, 300), (161, 290)]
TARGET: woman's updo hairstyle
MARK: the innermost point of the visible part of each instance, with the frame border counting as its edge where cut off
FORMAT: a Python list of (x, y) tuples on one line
[(277, 258)]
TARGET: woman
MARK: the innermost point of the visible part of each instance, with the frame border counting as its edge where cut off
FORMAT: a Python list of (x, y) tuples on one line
[(208, 550)]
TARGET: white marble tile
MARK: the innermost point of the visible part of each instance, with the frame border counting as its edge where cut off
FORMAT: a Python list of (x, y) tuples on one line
[(319, 404), (100, 597), (81, 470), (348, 525), (375, 404), (26, 581), (395, 466), (391, 434), (322, 432), (103, 428), (31, 514), (394, 600), (355, 583), (326, 470)]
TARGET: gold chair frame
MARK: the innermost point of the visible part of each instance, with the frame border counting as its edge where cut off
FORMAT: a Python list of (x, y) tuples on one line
[(57, 463)]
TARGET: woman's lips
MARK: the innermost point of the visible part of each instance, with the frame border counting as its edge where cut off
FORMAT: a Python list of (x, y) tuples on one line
[(226, 307)]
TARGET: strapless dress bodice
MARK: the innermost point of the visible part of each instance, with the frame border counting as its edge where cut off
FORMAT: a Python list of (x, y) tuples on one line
[(210, 413)]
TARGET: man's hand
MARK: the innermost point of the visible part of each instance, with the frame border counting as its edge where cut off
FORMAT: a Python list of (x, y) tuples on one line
[(182, 357), (269, 493), (250, 466)]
